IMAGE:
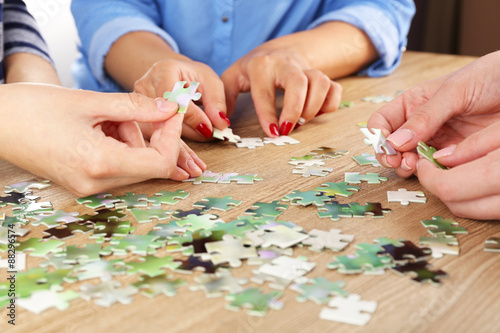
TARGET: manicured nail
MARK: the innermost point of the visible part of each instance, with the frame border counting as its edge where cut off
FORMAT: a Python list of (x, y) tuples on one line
[(204, 130), (274, 129), (163, 104), (383, 161), (444, 152), (319, 113), (400, 137), (301, 121), (297, 125), (224, 117), (404, 165), (193, 167), (286, 128)]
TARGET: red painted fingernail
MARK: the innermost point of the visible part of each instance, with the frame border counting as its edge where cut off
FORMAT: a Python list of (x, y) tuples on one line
[(204, 130), (224, 117), (297, 125), (274, 129), (319, 113), (286, 127)]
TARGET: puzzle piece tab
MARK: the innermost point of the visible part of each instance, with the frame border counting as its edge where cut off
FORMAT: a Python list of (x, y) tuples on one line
[(183, 96), (405, 197), (376, 139)]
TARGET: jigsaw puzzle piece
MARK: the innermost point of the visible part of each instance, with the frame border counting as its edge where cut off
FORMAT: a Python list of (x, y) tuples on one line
[(100, 200), (371, 208), (307, 171), (328, 152), (427, 152), (408, 252), (376, 139), (282, 271), (152, 266), (334, 211), (54, 218), (226, 134), (222, 204), (439, 226), (131, 200), (420, 272), (319, 290), (492, 244), (333, 189), (205, 177), (273, 209), (194, 263), (199, 222), (214, 284), (307, 198), (357, 178), (81, 254), (230, 250), (111, 230), (250, 143), (367, 159), (405, 197), (23, 187), (441, 245), (137, 244), (68, 230), (40, 248), (167, 197), (108, 293), (159, 285), (350, 310), (319, 240), (147, 215), (182, 95), (103, 269), (281, 140), (42, 300), (257, 302)]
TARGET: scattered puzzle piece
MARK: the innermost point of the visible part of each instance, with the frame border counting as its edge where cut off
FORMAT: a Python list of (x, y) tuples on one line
[(200, 222), (54, 218), (147, 215), (405, 197), (111, 230), (357, 178), (378, 99), (307, 198), (282, 271), (30, 209), (137, 244), (131, 200), (369, 262), (158, 285), (421, 273), (328, 152), (257, 302), (276, 235), (441, 245), (315, 162), (45, 299), (103, 269), (307, 171), (195, 263), (68, 230), (167, 198), (334, 211), (214, 284), (349, 310), (407, 252), (39, 247), (103, 215), (333, 189), (183, 96), (81, 254), (230, 250), (22, 187), (273, 209), (492, 244), (371, 208), (222, 204), (152, 266), (205, 177), (427, 152), (445, 227), (281, 140), (246, 179), (319, 290), (367, 159), (376, 139), (226, 134), (333, 240), (99, 200), (250, 143), (107, 293)]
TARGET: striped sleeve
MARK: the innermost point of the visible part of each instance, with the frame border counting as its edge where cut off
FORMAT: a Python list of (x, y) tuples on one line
[(21, 32)]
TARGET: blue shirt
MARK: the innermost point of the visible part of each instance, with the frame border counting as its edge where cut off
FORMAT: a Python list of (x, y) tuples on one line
[(219, 32), (18, 33)]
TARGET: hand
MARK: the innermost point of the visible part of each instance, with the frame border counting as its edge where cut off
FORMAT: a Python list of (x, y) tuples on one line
[(164, 74), (88, 141), (308, 92), (459, 114)]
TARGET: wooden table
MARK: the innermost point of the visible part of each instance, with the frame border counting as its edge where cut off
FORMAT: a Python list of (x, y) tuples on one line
[(467, 301)]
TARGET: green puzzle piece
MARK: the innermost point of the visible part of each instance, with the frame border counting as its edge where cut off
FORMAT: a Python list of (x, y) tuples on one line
[(161, 284), (441, 226), (183, 96), (359, 262), (99, 200), (222, 204), (273, 209), (152, 266), (427, 152), (333, 189), (257, 302), (38, 278), (357, 178), (367, 159), (307, 198), (137, 244), (131, 200), (334, 211), (76, 254), (40, 247), (105, 231), (199, 222), (147, 215), (328, 152), (319, 290), (167, 198)]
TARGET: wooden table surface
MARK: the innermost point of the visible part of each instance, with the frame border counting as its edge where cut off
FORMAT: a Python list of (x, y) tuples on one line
[(467, 301)]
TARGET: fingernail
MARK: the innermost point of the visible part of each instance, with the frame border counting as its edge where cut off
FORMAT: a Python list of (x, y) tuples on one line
[(383, 161), (400, 137), (444, 152), (163, 105), (286, 128), (301, 121), (193, 167), (224, 117), (404, 165), (204, 130), (297, 125), (319, 113), (274, 129)]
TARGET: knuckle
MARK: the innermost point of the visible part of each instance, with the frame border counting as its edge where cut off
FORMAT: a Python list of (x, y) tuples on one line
[(96, 168)]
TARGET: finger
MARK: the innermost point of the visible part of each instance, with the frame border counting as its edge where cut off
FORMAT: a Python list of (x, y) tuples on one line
[(394, 114), (262, 86), (450, 99), (476, 179), (333, 98), (129, 107), (296, 90), (487, 208), (130, 133), (198, 121), (408, 165), (234, 83), (471, 148), (187, 164), (214, 99), (318, 89), (193, 155)]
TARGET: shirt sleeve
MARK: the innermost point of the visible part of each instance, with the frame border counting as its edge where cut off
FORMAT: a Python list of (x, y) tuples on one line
[(21, 31), (386, 22), (101, 23)]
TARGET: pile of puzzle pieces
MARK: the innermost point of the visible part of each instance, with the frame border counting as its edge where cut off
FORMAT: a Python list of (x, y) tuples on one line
[(197, 239)]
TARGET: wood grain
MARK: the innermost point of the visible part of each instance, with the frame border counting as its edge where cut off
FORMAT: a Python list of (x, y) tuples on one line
[(466, 302)]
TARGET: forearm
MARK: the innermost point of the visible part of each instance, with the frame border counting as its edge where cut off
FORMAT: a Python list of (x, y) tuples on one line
[(27, 67), (133, 54), (336, 48)]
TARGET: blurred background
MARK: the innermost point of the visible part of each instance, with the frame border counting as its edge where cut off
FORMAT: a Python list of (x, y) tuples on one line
[(468, 27)]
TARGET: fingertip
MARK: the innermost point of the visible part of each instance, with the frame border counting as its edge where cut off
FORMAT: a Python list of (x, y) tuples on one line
[(164, 105), (401, 137)]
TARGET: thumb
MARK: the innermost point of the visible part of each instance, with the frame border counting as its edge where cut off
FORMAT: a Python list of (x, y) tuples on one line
[(450, 99), (132, 107), (471, 148)]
